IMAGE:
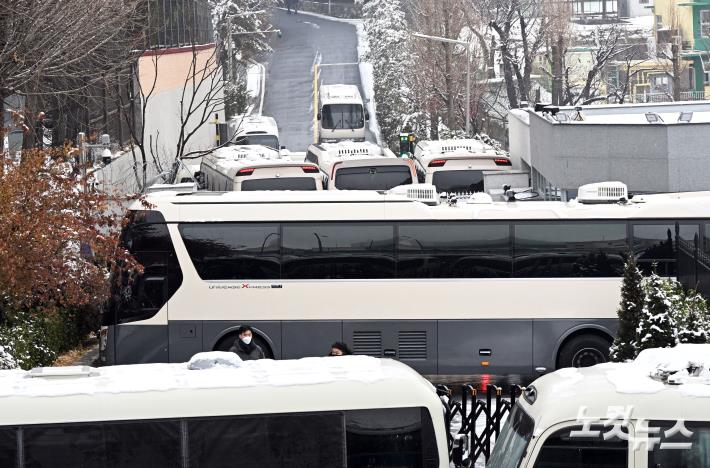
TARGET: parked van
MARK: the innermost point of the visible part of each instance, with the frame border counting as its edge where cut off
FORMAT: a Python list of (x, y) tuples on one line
[(255, 167), (349, 165), (341, 113), (254, 130), (349, 411), (652, 412), (457, 165)]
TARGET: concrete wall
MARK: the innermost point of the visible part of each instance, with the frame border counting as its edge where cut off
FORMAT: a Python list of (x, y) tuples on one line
[(648, 158)]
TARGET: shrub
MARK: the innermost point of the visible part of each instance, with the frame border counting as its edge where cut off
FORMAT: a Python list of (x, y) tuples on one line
[(27, 339)]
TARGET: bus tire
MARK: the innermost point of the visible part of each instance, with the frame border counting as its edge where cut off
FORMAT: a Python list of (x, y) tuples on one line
[(584, 351), (225, 343)]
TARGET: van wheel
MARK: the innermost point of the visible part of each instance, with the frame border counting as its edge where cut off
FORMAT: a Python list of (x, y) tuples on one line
[(584, 351), (225, 343)]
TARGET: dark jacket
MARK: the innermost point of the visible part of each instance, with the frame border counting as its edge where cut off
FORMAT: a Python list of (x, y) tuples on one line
[(247, 352)]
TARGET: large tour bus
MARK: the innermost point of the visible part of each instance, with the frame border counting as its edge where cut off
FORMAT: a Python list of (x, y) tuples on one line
[(317, 412), (341, 113), (457, 165), (465, 286), (349, 165), (255, 167), (653, 412)]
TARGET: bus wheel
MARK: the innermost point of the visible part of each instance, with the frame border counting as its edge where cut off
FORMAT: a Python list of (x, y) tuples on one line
[(584, 351), (227, 341)]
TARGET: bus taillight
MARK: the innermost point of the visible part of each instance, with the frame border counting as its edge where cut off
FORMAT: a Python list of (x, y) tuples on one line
[(437, 163), (247, 171)]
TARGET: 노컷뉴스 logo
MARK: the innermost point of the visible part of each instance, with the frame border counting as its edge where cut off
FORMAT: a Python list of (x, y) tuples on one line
[(617, 424), (246, 286)]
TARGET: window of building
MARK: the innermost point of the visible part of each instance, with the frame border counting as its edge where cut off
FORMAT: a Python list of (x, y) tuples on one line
[(696, 452), (705, 23), (573, 450), (454, 250), (570, 249), (338, 251), (229, 251)]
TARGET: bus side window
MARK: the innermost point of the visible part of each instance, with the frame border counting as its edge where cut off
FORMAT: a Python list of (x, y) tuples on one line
[(572, 447), (8, 446)]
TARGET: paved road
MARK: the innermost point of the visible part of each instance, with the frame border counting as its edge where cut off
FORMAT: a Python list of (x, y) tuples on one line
[(289, 80)]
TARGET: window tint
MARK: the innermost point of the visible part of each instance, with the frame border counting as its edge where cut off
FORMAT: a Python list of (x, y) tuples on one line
[(570, 249), (8, 446), (285, 440), (285, 183), (342, 116), (372, 178), (109, 445), (707, 238), (454, 250), (565, 449), (656, 243), (338, 251), (224, 251), (396, 437), (513, 441), (458, 181), (667, 453)]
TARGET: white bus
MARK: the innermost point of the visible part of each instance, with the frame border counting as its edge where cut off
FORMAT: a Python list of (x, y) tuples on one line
[(255, 130), (246, 168), (457, 166), (361, 166), (349, 411), (615, 415), (462, 288), (342, 114)]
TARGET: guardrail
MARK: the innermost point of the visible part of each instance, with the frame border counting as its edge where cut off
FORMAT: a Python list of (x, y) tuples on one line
[(347, 10), (473, 424)]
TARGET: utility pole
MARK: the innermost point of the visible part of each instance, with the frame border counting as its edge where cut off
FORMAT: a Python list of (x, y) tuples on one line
[(468, 45)]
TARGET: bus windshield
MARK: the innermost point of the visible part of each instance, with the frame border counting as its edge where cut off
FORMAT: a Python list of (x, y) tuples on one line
[(372, 178), (458, 181), (510, 446), (347, 116), (270, 141)]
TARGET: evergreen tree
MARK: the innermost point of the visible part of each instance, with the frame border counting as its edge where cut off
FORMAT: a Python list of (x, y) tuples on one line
[(629, 313), (657, 328), (692, 318)]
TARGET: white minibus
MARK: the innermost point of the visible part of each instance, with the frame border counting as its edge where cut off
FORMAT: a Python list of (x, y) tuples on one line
[(254, 167), (341, 113), (457, 166), (652, 412), (352, 165), (255, 130), (330, 412)]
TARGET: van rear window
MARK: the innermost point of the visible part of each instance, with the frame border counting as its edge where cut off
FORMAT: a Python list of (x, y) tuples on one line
[(372, 177), (283, 183), (458, 181)]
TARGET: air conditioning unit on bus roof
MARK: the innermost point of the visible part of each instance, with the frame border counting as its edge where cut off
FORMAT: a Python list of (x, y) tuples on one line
[(603, 192), (425, 193)]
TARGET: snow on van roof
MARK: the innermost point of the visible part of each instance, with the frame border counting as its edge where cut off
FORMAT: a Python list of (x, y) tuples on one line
[(166, 377)]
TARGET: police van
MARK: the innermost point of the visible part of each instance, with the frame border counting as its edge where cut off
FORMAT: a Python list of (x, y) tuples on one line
[(457, 166), (337, 412), (256, 167), (652, 412), (342, 114), (349, 165)]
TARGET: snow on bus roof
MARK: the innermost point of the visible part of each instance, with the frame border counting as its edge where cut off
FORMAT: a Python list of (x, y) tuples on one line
[(166, 377)]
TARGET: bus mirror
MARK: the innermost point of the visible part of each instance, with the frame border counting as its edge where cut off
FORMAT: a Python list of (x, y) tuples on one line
[(367, 115), (319, 116)]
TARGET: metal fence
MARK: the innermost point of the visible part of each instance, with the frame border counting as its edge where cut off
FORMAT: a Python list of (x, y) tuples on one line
[(692, 264), (474, 422)]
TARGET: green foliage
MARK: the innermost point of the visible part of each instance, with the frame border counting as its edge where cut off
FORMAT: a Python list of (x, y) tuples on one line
[(692, 319), (629, 313)]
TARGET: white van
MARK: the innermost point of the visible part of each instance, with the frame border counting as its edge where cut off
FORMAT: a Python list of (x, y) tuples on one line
[(341, 113), (254, 167), (352, 165), (254, 130), (456, 166), (353, 411), (652, 412)]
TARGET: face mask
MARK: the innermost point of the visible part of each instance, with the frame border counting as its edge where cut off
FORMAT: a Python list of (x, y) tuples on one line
[(246, 339)]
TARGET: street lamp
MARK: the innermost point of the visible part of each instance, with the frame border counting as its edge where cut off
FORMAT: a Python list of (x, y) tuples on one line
[(468, 45)]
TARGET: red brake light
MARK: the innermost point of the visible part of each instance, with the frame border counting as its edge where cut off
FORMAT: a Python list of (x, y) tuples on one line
[(246, 171), (310, 169), (437, 163), (503, 162)]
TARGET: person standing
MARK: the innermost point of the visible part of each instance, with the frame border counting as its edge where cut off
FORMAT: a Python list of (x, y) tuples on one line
[(244, 346), (292, 4)]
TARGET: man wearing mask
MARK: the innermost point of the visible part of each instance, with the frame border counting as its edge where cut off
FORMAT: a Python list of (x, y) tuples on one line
[(244, 347)]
